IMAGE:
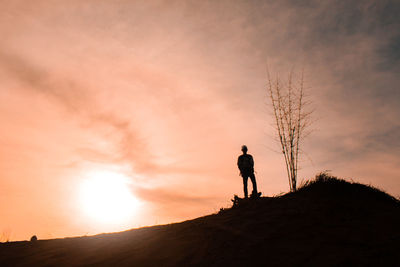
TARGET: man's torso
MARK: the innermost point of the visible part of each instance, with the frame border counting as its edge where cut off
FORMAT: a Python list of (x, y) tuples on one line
[(246, 163)]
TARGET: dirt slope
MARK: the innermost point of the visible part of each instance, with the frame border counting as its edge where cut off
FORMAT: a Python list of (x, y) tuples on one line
[(328, 222)]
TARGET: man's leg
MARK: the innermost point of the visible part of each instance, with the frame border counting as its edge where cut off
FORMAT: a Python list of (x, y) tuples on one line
[(253, 181), (245, 177)]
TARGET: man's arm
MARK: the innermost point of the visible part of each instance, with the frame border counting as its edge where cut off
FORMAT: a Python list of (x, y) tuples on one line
[(239, 162)]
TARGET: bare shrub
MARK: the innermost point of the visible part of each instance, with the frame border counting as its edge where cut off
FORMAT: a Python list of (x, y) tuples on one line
[(292, 119)]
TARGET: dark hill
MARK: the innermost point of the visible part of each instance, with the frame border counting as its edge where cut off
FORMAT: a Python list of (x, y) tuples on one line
[(327, 222)]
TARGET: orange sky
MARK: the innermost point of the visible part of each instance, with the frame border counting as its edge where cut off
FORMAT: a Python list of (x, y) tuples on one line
[(164, 93)]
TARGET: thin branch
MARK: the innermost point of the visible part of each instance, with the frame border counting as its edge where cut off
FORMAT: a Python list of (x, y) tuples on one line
[(292, 120)]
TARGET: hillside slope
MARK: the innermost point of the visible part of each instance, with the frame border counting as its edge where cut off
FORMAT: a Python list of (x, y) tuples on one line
[(327, 222)]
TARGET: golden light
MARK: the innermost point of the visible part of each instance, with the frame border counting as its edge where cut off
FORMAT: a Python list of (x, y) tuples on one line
[(105, 197)]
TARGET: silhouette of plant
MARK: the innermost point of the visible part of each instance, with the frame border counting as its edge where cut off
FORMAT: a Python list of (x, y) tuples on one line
[(333, 185), (292, 119), (5, 235)]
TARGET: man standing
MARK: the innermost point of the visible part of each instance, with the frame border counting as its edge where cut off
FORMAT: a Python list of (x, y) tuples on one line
[(246, 167)]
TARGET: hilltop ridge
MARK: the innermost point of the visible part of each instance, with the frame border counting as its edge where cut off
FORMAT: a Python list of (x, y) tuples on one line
[(327, 222)]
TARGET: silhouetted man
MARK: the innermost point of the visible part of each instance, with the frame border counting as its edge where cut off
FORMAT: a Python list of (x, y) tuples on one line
[(246, 167)]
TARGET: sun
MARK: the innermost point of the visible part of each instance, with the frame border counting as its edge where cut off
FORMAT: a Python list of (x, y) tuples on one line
[(106, 197)]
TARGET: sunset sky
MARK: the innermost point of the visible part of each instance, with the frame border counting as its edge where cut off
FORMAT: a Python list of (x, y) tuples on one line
[(160, 96)]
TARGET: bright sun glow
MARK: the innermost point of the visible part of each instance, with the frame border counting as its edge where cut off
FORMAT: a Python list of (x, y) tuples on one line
[(105, 197)]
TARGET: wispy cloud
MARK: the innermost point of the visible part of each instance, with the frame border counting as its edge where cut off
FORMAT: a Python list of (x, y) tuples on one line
[(81, 104)]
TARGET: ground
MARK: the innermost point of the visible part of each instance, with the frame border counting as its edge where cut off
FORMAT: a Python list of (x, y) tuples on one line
[(328, 222)]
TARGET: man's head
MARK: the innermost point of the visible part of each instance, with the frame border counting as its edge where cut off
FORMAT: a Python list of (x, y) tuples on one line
[(244, 149)]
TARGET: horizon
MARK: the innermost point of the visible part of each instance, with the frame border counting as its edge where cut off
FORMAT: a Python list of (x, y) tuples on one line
[(149, 103)]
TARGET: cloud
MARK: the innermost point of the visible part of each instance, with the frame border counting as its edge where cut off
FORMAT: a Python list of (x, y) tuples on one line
[(348, 49), (168, 197), (79, 102)]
